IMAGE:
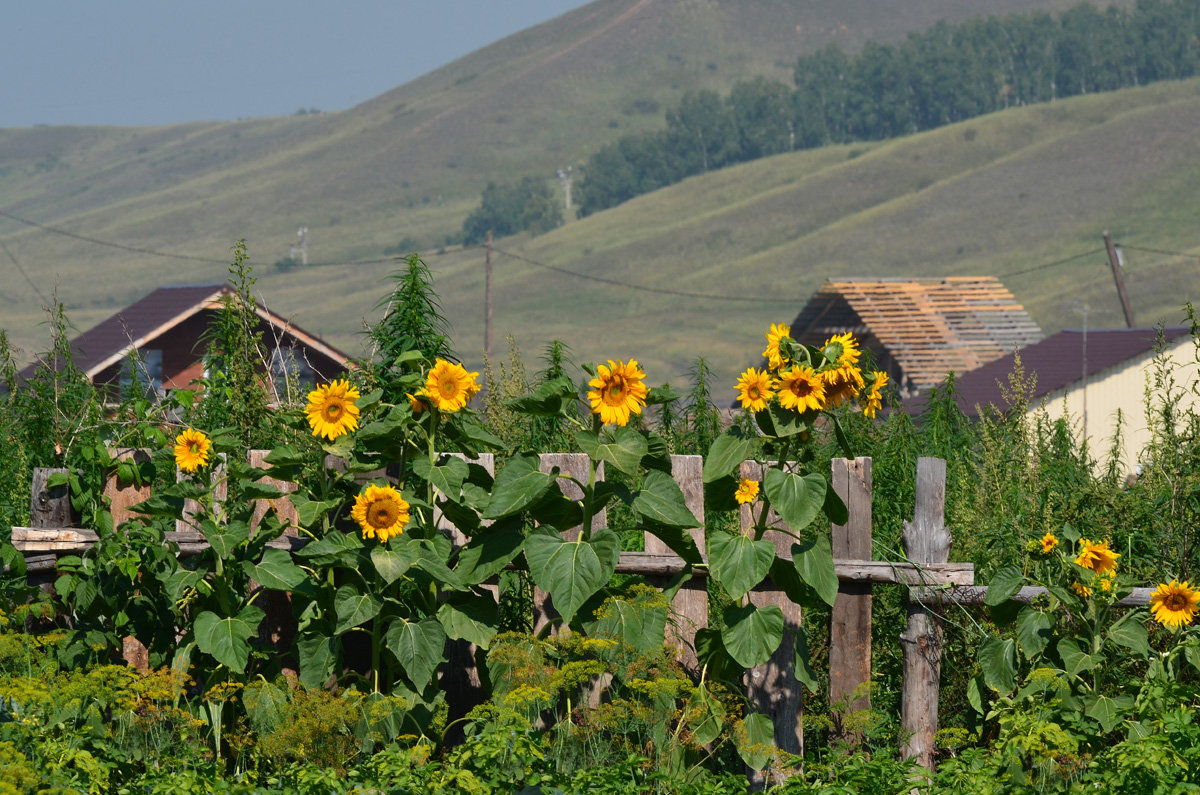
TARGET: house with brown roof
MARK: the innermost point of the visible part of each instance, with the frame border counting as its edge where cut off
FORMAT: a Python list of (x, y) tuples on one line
[(1087, 377), (919, 330), (167, 329)]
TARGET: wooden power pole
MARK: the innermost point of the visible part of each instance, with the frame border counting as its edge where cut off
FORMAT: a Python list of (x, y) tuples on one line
[(487, 300), (1115, 263)]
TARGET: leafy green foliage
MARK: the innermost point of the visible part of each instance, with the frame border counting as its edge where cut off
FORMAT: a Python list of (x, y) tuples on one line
[(529, 205)]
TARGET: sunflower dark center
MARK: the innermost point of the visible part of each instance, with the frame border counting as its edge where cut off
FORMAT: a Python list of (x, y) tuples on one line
[(382, 513), (1175, 602)]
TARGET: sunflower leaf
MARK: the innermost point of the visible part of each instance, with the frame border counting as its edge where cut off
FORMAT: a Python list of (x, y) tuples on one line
[(738, 563), (798, 499), (752, 634), (520, 484), (661, 501), (551, 399), (622, 447), (725, 456), (572, 571)]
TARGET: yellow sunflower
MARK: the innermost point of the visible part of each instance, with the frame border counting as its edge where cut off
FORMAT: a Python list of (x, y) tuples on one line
[(381, 512), (1174, 604), (1081, 589), (1049, 542), (874, 401), (842, 384), (617, 391), (755, 389), (777, 332), (191, 450), (1096, 556), (843, 349), (801, 389), (747, 491), (331, 410), (417, 402), (449, 386)]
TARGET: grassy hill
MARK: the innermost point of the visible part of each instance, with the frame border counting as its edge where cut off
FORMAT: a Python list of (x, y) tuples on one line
[(994, 195)]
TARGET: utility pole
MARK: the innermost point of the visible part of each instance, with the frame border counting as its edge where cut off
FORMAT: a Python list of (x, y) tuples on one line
[(487, 300), (1114, 261), (565, 177)]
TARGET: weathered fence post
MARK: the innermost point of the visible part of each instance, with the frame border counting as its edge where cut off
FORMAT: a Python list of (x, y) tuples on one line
[(926, 540), (689, 608), (49, 507), (850, 624), (122, 495)]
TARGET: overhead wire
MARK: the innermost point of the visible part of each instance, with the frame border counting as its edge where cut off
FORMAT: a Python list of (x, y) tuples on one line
[(1146, 250)]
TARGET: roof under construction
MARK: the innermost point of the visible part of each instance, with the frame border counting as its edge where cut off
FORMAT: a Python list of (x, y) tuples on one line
[(920, 329)]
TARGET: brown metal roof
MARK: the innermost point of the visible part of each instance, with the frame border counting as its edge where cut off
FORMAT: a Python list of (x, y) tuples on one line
[(146, 319), (1057, 361), (920, 329)]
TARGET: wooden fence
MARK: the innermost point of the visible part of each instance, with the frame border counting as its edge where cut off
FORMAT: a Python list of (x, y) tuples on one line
[(771, 687)]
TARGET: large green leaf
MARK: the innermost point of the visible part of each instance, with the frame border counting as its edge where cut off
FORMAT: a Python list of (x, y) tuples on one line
[(572, 571), (549, 400), (447, 475), (1106, 710), (678, 541), (752, 634), (621, 447), (519, 485), (228, 639), (661, 501), (318, 659), (804, 672), (814, 561), (738, 563), (712, 654), (276, 570), (1131, 633), (998, 661), (1075, 660), (707, 722), (224, 539), (835, 508), (725, 456), (334, 549), (418, 646), (392, 560), (635, 624), (354, 608), (756, 745), (1005, 584), (309, 512), (487, 554), (471, 617), (798, 499), (1033, 631)]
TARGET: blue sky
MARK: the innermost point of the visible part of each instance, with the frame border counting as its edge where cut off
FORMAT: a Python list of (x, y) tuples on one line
[(137, 62)]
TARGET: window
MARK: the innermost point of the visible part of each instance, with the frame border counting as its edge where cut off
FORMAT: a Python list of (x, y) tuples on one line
[(290, 370)]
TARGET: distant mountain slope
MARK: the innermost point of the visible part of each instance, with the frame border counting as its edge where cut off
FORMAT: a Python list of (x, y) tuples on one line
[(409, 163)]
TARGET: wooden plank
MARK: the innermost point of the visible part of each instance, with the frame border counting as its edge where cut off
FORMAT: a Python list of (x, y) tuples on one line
[(578, 466), (121, 495), (850, 624), (49, 507), (689, 608), (926, 540), (282, 506), (772, 687), (975, 594), (444, 525)]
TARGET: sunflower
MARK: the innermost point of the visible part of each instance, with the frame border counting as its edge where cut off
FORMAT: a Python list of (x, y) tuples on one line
[(1081, 589), (874, 400), (747, 491), (755, 389), (1174, 604), (381, 512), (1049, 542), (1096, 556), (617, 391), (776, 333), (191, 450), (331, 410), (801, 389), (417, 402), (842, 349), (842, 384), (449, 386)]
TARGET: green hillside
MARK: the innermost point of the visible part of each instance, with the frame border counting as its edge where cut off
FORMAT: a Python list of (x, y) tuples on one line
[(993, 195)]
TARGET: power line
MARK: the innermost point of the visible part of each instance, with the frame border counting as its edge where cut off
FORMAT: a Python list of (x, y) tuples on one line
[(1054, 264), (1158, 251), (628, 285), (45, 300)]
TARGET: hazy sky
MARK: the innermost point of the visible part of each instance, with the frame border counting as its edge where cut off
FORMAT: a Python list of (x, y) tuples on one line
[(133, 62)]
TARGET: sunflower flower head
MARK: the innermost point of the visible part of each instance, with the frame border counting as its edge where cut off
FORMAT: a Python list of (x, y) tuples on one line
[(1049, 542), (331, 409), (842, 385), (191, 450), (381, 512), (1096, 556), (747, 491), (755, 389), (777, 332), (417, 402), (801, 389), (1081, 589), (874, 398), (617, 391), (1174, 604), (449, 386), (842, 350)]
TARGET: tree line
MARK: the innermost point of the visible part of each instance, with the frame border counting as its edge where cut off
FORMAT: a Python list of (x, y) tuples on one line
[(943, 75)]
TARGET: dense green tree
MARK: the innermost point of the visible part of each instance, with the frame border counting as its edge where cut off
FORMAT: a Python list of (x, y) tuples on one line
[(764, 113), (529, 205)]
